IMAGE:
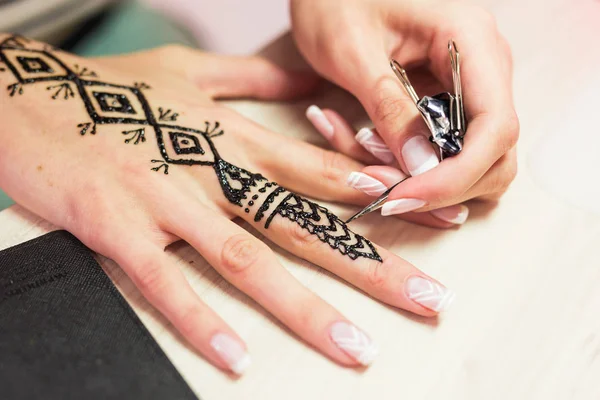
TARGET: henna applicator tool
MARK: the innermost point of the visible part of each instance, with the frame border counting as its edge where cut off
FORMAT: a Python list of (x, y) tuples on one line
[(443, 113)]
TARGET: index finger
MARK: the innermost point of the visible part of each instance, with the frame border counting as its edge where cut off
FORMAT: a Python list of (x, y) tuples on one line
[(493, 124)]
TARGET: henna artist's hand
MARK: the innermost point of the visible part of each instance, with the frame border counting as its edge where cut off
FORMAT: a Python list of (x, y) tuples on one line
[(118, 151), (350, 42)]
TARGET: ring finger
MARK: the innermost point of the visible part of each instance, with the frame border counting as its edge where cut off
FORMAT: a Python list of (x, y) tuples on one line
[(252, 267)]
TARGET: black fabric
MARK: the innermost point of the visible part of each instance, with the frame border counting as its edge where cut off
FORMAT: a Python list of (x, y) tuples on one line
[(67, 333)]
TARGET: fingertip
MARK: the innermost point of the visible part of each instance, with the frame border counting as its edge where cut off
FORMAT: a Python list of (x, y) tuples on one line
[(401, 284), (338, 132), (354, 343), (231, 352), (320, 121), (428, 294), (372, 142), (456, 214)]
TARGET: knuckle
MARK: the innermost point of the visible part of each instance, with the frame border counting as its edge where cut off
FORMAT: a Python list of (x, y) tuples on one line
[(497, 185), (100, 233), (510, 130), (305, 316), (332, 166), (240, 253), (500, 181), (446, 192), (300, 237), (388, 107), (377, 274), (150, 278)]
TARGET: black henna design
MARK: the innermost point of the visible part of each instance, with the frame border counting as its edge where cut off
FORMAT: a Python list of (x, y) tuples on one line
[(63, 88), (34, 64), (141, 85), (86, 126), (166, 115), (15, 88), (136, 135), (83, 71), (113, 102), (162, 164), (107, 103), (326, 226), (267, 203)]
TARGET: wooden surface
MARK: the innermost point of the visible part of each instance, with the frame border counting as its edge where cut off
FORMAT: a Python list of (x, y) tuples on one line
[(525, 324)]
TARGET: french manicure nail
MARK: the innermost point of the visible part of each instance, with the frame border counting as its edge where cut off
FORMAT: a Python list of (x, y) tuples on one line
[(429, 294), (354, 342), (320, 121), (365, 184), (374, 145), (456, 214), (401, 206), (418, 155), (232, 352)]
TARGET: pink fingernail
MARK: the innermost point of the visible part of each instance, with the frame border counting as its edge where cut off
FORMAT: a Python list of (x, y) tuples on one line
[(365, 184), (418, 155), (456, 214), (232, 352), (374, 145), (354, 342), (320, 121), (428, 293), (401, 206)]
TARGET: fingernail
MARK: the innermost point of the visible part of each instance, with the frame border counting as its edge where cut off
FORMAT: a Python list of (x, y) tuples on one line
[(391, 174), (401, 206), (454, 214), (365, 184), (418, 155), (374, 145), (232, 352), (320, 121), (429, 294), (354, 342)]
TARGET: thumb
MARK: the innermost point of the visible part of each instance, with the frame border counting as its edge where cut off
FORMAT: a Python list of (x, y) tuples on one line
[(397, 119), (256, 77)]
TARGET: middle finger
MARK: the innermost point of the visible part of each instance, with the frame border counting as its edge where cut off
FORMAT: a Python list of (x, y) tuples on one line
[(314, 233)]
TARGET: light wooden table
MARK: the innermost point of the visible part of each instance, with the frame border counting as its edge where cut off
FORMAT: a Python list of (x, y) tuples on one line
[(525, 324)]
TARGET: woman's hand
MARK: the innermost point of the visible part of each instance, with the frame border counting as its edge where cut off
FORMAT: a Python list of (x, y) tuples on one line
[(131, 154), (350, 43)]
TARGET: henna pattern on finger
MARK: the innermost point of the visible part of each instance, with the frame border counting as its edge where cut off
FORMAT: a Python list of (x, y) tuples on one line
[(319, 221), (267, 203), (108, 103)]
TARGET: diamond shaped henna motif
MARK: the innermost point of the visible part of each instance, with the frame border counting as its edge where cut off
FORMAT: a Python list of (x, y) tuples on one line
[(108, 103)]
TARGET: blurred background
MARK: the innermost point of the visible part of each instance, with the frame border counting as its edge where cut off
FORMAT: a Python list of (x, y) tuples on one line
[(101, 27)]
